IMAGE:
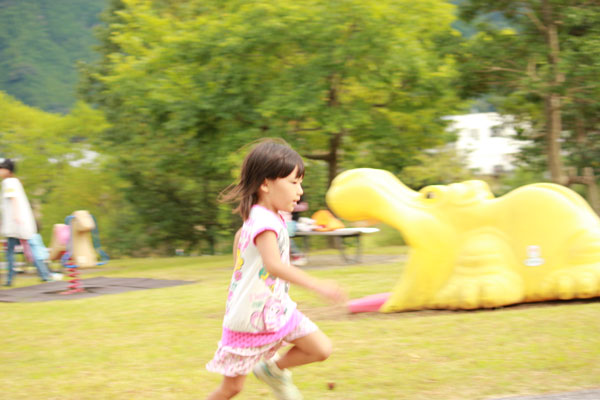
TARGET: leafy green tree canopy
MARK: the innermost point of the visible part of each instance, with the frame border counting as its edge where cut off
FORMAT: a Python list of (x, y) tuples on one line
[(40, 43), (185, 84), (541, 65), (49, 150)]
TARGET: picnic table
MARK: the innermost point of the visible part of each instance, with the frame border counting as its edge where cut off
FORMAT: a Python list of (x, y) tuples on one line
[(339, 236)]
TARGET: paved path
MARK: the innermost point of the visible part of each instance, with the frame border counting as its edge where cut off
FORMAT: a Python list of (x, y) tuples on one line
[(578, 395), (322, 261)]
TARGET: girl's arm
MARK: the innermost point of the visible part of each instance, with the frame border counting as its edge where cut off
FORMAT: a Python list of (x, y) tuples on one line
[(266, 244), (236, 240)]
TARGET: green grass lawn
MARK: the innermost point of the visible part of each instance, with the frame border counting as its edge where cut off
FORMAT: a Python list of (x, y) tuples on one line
[(153, 344)]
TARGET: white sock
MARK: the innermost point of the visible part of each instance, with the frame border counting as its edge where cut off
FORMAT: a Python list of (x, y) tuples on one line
[(276, 357), (273, 366)]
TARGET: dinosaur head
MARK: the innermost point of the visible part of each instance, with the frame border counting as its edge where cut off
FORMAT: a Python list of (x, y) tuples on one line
[(421, 216)]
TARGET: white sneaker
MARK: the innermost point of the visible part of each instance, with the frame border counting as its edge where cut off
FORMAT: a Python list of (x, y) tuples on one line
[(56, 276), (279, 380)]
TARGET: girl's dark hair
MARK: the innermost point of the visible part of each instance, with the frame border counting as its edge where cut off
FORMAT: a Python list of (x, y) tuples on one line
[(269, 159), (8, 164)]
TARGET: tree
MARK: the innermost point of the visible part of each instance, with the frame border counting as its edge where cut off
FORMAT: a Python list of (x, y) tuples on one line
[(543, 69), (184, 84), (50, 152), (41, 142), (95, 186), (40, 42), (439, 166)]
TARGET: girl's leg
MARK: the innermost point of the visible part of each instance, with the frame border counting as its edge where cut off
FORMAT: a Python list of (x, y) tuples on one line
[(42, 270), (39, 264), (311, 348), (308, 349), (10, 259), (229, 388)]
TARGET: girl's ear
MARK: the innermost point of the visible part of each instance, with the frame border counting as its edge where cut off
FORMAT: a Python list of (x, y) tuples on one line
[(264, 187)]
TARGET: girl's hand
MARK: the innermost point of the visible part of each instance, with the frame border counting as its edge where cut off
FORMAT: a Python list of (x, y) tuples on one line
[(332, 291)]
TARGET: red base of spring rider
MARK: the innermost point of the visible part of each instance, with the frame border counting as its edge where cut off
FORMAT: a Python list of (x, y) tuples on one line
[(75, 286)]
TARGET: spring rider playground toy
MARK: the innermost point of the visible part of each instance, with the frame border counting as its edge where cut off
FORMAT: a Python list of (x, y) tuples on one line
[(77, 245), (470, 250)]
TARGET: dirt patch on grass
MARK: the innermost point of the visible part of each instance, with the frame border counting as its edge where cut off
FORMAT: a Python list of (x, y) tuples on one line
[(91, 287)]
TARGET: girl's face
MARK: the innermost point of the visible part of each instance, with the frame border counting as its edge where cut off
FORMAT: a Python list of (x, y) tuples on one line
[(281, 194)]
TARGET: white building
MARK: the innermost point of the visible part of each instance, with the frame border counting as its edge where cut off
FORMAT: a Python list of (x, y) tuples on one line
[(487, 141)]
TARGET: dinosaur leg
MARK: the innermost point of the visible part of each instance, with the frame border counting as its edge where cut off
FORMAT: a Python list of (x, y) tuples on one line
[(580, 278), (417, 284), (483, 277), (578, 282)]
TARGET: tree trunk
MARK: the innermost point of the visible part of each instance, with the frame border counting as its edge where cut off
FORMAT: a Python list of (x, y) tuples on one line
[(553, 101), (588, 179), (553, 146), (336, 139), (334, 145), (592, 192), (331, 158)]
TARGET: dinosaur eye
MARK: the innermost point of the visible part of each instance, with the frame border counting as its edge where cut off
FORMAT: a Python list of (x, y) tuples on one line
[(432, 194)]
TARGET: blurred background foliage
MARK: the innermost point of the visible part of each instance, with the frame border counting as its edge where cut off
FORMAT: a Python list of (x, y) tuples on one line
[(40, 42), (170, 94)]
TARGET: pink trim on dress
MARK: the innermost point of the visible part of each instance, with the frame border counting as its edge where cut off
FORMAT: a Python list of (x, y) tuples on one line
[(266, 228), (251, 339), (230, 361), (253, 221)]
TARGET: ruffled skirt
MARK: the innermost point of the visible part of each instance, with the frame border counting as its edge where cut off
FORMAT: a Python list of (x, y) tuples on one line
[(235, 361)]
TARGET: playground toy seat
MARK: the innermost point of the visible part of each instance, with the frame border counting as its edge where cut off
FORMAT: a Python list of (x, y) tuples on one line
[(77, 240), (77, 245)]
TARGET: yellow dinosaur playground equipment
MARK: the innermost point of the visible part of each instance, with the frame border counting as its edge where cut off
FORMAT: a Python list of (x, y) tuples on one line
[(470, 250)]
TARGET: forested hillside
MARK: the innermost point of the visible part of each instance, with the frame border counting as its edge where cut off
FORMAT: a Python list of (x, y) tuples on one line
[(40, 43)]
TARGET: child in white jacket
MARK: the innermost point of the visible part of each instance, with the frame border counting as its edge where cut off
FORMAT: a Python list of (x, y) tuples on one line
[(17, 219)]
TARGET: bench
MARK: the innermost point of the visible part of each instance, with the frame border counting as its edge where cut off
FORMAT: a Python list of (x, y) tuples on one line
[(339, 236)]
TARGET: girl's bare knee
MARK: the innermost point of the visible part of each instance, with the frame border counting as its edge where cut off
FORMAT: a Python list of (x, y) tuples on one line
[(324, 350), (316, 347)]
